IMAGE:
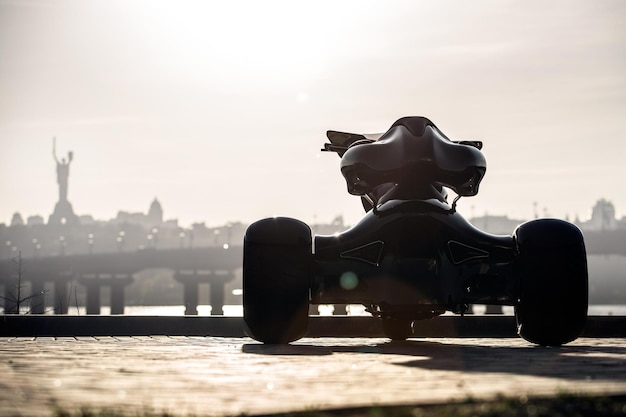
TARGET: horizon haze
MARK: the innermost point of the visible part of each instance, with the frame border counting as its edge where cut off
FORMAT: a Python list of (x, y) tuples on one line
[(219, 109)]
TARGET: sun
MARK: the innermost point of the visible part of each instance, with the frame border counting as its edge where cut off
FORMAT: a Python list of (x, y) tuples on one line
[(251, 40)]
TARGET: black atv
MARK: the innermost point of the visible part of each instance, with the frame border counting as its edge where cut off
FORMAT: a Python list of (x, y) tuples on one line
[(412, 256)]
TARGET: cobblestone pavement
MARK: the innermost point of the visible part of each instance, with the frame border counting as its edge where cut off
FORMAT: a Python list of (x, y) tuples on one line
[(230, 376)]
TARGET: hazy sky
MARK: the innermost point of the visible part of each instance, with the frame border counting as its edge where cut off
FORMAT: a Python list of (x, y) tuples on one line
[(219, 109)]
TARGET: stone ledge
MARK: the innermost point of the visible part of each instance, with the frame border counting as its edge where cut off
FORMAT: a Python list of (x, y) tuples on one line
[(319, 326)]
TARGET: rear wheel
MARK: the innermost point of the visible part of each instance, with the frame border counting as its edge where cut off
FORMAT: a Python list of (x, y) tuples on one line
[(552, 308), (276, 279)]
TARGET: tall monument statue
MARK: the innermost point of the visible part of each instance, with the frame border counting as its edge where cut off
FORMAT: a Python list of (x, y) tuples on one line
[(63, 170), (63, 212)]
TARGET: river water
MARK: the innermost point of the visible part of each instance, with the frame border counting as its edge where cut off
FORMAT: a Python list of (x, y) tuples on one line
[(324, 310)]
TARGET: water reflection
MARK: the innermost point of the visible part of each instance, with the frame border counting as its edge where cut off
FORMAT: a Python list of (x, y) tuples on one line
[(324, 310)]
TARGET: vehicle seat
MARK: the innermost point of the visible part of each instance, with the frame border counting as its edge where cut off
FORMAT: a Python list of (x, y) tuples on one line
[(413, 155)]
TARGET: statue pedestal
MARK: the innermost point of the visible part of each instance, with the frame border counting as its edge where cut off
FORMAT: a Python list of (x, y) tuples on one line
[(63, 214)]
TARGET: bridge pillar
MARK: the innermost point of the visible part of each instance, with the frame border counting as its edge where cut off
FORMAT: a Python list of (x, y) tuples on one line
[(117, 298), (118, 283), (493, 309), (10, 299), (340, 309), (190, 297), (216, 298), (93, 295), (37, 300), (217, 292), (62, 302), (192, 279)]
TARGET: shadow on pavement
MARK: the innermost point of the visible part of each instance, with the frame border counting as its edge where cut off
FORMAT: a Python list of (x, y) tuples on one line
[(576, 362)]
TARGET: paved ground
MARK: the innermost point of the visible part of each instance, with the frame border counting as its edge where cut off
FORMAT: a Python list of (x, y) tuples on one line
[(230, 376)]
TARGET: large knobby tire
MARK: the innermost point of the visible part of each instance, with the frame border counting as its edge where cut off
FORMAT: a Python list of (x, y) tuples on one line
[(552, 308), (277, 259)]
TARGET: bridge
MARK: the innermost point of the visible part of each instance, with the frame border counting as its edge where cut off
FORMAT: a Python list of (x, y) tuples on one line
[(606, 242), (191, 266)]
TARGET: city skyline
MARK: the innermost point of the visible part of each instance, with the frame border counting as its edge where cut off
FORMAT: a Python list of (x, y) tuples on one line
[(603, 217), (219, 110)]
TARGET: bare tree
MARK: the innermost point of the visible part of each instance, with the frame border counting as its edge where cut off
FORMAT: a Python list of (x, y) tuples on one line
[(15, 300)]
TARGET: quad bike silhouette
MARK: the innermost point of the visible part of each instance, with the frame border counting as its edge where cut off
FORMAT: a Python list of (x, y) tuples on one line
[(413, 256)]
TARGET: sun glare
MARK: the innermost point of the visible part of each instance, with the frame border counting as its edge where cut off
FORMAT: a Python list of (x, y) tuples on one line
[(244, 39)]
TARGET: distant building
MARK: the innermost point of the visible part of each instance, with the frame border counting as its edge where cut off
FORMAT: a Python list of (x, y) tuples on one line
[(336, 226), (602, 217), (132, 231), (499, 225), (17, 220), (86, 220), (155, 213), (154, 218), (171, 224), (34, 220)]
